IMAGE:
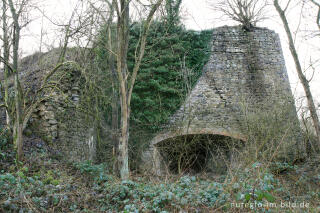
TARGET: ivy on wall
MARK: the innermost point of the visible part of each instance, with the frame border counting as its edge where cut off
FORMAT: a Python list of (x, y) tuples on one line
[(173, 62)]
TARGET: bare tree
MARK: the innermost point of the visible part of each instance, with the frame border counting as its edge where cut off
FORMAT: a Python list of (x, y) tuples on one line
[(21, 112), (302, 77), (125, 80), (6, 52), (18, 123), (247, 12)]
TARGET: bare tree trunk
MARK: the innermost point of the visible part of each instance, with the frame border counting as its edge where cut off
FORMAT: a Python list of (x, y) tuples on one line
[(115, 127), (114, 105), (18, 119), (125, 84), (303, 80), (19, 140), (6, 50), (123, 39), (123, 145), (17, 137)]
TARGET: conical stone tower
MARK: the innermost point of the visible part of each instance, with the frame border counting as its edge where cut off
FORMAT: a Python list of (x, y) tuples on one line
[(246, 71)]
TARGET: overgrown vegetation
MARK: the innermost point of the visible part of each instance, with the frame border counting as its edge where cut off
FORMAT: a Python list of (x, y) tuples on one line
[(7, 153), (88, 187), (273, 134), (173, 62)]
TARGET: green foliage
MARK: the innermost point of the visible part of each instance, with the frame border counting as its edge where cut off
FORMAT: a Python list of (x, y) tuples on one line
[(49, 179), (255, 184), (22, 191), (13, 185), (142, 196), (97, 171), (92, 189), (172, 12), (162, 81), (172, 63), (4, 145), (7, 151), (89, 168), (187, 192)]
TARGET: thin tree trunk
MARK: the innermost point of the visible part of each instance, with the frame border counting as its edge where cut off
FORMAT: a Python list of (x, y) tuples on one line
[(123, 145), (6, 58), (114, 106), (19, 141), (18, 119), (123, 39), (115, 128), (125, 84), (302, 77)]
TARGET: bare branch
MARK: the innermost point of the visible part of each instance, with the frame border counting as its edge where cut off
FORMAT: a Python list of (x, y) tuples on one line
[(247, 12)]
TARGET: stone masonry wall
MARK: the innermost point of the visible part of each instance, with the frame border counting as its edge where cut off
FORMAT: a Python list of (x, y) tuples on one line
[(60, 121)]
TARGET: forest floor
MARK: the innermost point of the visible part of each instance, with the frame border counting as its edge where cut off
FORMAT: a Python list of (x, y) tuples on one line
[(44, 183)]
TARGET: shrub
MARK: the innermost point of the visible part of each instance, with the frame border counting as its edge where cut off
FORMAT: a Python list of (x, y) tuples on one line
[(273, 133)]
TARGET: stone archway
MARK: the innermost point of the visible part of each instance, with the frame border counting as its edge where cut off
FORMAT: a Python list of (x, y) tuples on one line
[(196, 153)]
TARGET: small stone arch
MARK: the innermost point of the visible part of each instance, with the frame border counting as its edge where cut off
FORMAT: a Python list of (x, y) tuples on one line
[(196, 152)]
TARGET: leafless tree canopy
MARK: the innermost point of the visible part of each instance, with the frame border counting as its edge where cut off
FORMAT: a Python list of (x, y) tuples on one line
[(247, 12)]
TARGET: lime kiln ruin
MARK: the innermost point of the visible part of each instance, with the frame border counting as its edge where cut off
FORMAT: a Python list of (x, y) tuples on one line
[(246, 71)]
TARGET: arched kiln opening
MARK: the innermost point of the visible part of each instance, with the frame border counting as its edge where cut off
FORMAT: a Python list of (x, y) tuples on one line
[(196, 153)]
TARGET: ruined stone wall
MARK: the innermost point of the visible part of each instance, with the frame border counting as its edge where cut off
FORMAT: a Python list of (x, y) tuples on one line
[(246, 70), (60, 120)]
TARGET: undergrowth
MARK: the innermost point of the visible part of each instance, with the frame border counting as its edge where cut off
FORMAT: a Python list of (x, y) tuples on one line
[(88, 187)]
